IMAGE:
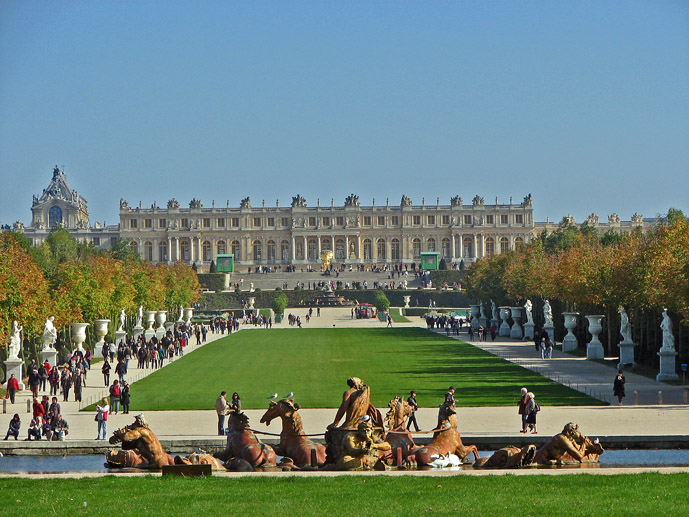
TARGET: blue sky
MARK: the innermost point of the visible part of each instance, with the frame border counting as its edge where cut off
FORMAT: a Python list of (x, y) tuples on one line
[(583, 104)]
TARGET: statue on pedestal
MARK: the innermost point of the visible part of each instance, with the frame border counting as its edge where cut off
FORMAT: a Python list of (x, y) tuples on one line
[(494, 311), (123, 319), (625, 327), (668, 337), (15, 341), (49, 334), (181, 313), (547, 314), (139, 315), (528, 306)]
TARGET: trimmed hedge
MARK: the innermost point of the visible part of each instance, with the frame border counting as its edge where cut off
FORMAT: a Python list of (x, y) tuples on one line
[(212, 281), (441, 276), (303, 298)]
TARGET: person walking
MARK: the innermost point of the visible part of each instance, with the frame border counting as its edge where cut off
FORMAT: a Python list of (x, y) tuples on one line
[(522, 408), (414, 408), (532, 408), (12, 387), (221, 408), (78, 383), (66, 381), (106, 372), (102, 418), (121, 370), (618, 387), (54, 379)]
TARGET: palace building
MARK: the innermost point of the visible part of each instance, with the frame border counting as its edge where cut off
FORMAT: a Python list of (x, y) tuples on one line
[(298, 233)]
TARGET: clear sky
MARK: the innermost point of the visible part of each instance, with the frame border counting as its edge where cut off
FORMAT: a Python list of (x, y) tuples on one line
[(584, 104)]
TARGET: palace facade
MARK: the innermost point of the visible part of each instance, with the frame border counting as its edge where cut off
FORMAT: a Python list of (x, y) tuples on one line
[(297, 234)]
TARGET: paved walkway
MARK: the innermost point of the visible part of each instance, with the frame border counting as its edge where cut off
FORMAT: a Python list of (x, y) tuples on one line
[(589, 377)]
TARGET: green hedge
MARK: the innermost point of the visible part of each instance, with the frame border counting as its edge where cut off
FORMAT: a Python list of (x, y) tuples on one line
[(212, 281), (303, 298), (441, 276)]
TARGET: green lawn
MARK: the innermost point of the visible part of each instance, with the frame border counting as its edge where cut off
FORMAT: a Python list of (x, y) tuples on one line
[(397, 317), (566, 495), (315, 364)]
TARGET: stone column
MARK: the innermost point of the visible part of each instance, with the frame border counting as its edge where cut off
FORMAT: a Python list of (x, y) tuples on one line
[(474, 251), (176, 248), (293, 250), (169, 250), (461, 246), (453, 247), (318, 253), (191, 250), (483, 245), (594, 349)]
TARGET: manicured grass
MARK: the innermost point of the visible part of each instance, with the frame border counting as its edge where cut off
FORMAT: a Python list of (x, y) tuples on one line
[(566, 495), (397, 317), (315, 364)]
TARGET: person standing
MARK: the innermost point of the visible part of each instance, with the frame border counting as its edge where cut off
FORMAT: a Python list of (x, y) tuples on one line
[(414, 408), (54, 411), (106, 372), (124, 397), (78, 383), (221, 408), (54, 379), (522, 407), (618, 387), (34, 379), (115, 396), (102, 418), (66, 382), (532, 408), (12, 387)]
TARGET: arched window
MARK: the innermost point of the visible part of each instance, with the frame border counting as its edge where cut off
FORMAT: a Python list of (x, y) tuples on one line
[(430, 243), (504, 245), (395, 249), (381, 249), (284, 251), (490, 247), (222, 249), (271, 251), (446, 248), (468, 247), (206, 251), (326, 245), (235, 250), (312, 247), (148, 251), (162, 251), (367, 249), (54, 216), (416, 248), (184, 250), (258, 250), (518, 242), (339, 249)]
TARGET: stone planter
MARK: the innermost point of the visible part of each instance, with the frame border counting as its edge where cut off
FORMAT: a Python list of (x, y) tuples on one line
[(161, 317), (100, 327), (504, 326), (569, 342), (79, 334), (150, 319), (475, 311), (406, 299), (188, 313), (516, 330), (594, 350), (252, 301)]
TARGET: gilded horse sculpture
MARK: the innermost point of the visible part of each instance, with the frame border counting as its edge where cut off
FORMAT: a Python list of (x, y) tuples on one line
[(293, 442), (242, 443), (396, 419), (356, 403)]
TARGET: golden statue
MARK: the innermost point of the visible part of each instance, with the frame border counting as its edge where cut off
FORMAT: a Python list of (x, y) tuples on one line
[(362, 449), (327, 258)]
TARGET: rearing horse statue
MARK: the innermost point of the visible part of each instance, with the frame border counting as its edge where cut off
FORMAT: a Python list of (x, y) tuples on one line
[(396, 419), (242, 443), (293, 442)]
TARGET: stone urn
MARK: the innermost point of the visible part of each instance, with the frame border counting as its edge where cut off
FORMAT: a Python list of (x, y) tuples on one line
[(516, 330), (406, 299), (504, 326), (252, 300), (188, 313), (150, 319), (101, 329), (78, 334), (569, 342), (161, 316), (475, 312), (594, 350)]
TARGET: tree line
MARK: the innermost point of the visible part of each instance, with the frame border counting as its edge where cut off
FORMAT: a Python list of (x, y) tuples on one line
[(582, 270)]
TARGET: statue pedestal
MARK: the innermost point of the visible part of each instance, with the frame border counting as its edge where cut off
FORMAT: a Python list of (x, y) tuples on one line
[(120, 335), (528, 330), (137, 331), (667, 365), (15, 366), (169, 326), (504, 329), (494, 323), (149, 333), (160, 333), (550, 330), (516, 331), (626, 354), (49, 355), (595, 351), (569, 343)]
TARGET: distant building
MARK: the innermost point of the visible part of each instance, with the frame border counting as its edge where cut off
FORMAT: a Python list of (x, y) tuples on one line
[(297, 234)]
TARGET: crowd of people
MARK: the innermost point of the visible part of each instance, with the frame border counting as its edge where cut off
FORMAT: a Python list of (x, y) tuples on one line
[(46, 422)]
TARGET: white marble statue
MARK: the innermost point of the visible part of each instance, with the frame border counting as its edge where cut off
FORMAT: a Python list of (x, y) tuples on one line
[(483, 310), (547, 314), (15, 341), (123, 319), (625, 327), (49, 333), (139, 315), (668, 337), (494, 311), (181, 313), (528, 306)]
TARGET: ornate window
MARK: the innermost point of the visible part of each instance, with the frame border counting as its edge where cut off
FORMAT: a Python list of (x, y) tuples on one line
[(326, 245), (468, 247), (445, 247), (184, 250), (148, 251), (222, 249), (284, 251), (504, 245), (381, 249), (312, 246), (271, 251), (518, 242), (416, 248), (235, 250), (339, 249), (162, 251), (258, 250), (206, 251), (54, 216), (490, 247), (367, 249), (430, 243), (395, 249)]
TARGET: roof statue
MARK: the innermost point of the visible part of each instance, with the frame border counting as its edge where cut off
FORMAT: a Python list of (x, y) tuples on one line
[(637, 218), (245, 203), (124, 205), (406, 201), (568, 219), (456, 201), (352, 200), (478, 200), (195, 203), (528, 201), (614, 219), (58, 188), (592, 219), (298, 202), (172, 203)]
